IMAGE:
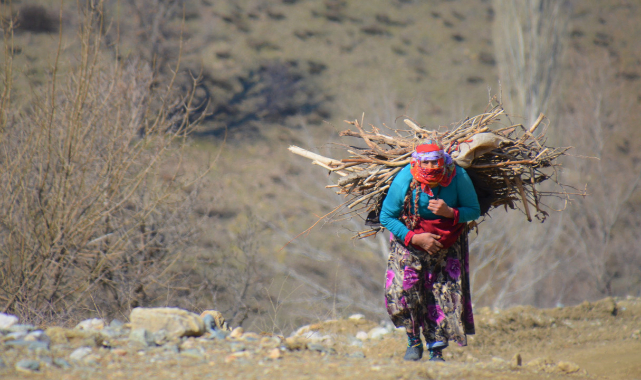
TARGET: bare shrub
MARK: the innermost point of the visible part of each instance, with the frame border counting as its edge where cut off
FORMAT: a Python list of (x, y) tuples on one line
[(91, 218)]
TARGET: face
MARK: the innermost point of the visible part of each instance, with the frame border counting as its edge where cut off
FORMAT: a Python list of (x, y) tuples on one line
[(432, 164)]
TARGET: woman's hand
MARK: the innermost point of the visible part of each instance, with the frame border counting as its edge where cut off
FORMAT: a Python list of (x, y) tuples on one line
[(429, 242), (439, 207)]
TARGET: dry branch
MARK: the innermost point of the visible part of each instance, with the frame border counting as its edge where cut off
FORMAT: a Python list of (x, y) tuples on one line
[(512, 169)]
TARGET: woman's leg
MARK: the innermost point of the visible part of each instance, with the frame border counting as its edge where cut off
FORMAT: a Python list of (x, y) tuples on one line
[(447, 311), (404, 296)]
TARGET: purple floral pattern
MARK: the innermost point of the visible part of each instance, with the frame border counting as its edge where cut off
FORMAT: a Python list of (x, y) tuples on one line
[(389, 277), (429, 280), (430, 293), (410, 277), (435, 313), (453, 268)]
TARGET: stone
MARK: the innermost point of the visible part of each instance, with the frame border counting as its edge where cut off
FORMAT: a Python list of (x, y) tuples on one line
[(111, 333), (274, 354), (79, 353), (160, 337), (377, 333), (119, 352), (315, 347), (250, 337), (62, 363), (91, 359), (188, 343), (193, 353), (18, 335), (73, 337), (91, 324), (316, 337), (7, 320), (21, 328), (540, 363), (173, 348), (237, 347), (568, 367), (294, 343), (220, 334), (32, 345), (517, 361), (27, 365), (302, 330), (217, 318), (142, 336), (46, 360), (355, 342), (39, 346), (177, 322), (496, 360), (269, 342), (210, 324), (356, 317), (236, 333), (116, 324), (362, 335), (357, 355), (471, 358), (37, 335)]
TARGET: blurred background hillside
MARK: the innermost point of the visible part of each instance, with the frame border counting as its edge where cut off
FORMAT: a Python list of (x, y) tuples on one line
[(268, 74)]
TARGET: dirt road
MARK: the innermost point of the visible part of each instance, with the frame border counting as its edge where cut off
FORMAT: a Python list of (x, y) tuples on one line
[(600, 340)]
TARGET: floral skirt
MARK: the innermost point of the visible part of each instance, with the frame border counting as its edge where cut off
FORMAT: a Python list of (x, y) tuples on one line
[(431, 292)]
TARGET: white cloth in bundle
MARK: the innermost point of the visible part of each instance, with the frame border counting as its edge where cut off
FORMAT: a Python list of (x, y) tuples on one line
[(479, 145)]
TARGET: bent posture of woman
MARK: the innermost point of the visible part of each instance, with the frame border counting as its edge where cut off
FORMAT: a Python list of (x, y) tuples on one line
[(427, 284)]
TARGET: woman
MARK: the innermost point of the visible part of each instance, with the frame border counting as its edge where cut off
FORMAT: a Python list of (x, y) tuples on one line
[(427, 284)]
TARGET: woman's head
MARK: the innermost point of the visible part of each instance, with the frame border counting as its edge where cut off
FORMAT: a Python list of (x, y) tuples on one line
[(431, 155), (431, 164)]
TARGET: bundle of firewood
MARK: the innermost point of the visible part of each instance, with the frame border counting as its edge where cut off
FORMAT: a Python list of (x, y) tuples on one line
[(505, 160)]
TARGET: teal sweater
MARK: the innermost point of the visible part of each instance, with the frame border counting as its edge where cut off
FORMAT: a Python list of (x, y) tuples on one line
[(460, 194)]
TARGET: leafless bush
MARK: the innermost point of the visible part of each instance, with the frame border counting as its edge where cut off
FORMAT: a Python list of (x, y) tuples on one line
[(91, 216)]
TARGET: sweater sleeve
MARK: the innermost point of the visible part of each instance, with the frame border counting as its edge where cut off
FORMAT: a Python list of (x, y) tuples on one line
[(468, 207), (393, 204)]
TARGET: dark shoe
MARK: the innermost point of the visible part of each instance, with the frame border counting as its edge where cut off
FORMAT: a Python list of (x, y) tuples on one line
[(436, 355), (414, 353)]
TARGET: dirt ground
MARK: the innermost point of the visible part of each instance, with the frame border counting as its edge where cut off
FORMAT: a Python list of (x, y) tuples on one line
[(600, 340)]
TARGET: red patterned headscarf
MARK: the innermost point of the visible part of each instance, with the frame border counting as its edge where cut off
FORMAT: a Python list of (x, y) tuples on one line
[(431, 150)]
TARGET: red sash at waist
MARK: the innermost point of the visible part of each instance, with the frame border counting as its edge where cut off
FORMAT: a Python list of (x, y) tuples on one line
[(445, 228)]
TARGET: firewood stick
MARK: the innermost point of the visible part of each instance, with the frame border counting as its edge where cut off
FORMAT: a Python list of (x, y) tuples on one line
[(415, 127), (519, 184), (340, 173), (313, 156), (501, 164), (532, 180), (536, 123), (369, 196), (357, 160)]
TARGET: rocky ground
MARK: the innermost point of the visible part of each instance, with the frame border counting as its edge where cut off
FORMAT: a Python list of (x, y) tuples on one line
[(600, 340)]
